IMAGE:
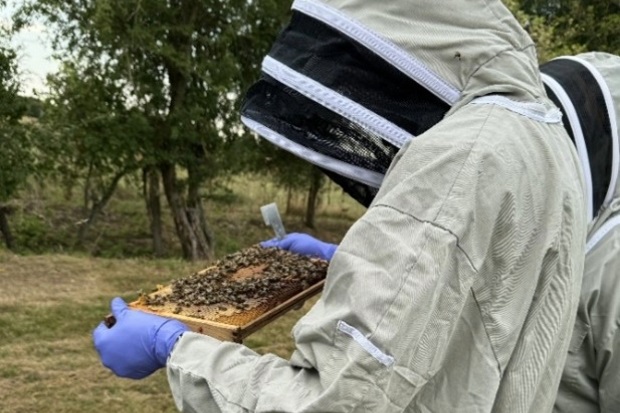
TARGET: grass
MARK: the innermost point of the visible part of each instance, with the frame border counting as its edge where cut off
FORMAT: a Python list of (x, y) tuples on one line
[(54, 295)]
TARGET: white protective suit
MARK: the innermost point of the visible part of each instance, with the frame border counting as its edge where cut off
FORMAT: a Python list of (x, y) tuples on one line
[(587, 88), (457, 290)]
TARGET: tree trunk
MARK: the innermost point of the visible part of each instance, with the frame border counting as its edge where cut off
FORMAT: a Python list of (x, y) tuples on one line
[(313, 196), (152, 199), (195, 205), (289, 199), (188, 220), (87, 189), (98, 206), (329, 192), (4, 227), (188, 215)]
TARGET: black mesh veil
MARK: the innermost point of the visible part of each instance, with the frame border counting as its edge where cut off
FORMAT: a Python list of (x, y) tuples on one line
[(303, 121), (336, 103), (328, 134), (574, 88), (364, 194)]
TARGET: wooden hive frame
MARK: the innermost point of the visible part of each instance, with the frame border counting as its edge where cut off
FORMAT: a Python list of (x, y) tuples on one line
[(234, 333)]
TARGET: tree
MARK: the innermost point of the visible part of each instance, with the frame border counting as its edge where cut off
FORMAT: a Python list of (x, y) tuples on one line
[(317, 179), (181, 65), (566, 27), (16, 157), (288, 171), (593, 24), (536, 18), (96, 139)]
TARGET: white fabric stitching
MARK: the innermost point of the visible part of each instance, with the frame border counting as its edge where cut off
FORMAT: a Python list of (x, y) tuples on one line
[(532, 110), (366, 344), (582, 149), (336, 102), (602, 232), (358, 174)]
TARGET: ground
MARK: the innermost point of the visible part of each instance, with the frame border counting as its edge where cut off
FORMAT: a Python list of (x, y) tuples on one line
[(51, 302)]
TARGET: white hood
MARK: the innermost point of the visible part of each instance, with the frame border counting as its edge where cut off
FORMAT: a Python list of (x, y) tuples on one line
[(348, 82)]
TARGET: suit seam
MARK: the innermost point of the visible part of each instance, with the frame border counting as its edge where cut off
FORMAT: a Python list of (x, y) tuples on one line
[(434, 224), (486, 331)]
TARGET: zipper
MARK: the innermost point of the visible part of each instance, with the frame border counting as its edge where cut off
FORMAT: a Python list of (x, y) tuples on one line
[(390, 52)]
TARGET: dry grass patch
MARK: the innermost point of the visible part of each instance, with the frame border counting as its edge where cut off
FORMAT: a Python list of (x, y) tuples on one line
[(48, 279), (49, 305)]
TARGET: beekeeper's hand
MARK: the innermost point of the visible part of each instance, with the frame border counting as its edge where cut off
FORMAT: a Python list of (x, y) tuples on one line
[(303, 244), (138, 343)]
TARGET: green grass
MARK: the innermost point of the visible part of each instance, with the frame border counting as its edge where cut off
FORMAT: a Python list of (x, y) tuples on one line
[(54, 293), (47, 361)]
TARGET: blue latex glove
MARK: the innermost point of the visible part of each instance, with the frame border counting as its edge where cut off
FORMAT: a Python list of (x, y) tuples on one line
[(138, 343), (303, 244)]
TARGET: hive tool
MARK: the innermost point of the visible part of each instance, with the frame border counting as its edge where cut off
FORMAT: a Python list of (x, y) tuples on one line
[(272, 218)]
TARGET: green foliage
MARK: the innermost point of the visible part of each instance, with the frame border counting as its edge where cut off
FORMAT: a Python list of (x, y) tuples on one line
[(16, 156), (93, 136), (595, 25), (45, 220), (32, 234), (180, 64), (152, 85), (286, 169), (568, 27), (33, 106)]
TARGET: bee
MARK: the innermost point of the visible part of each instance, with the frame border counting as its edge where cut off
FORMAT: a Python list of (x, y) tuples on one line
[(109, 321)]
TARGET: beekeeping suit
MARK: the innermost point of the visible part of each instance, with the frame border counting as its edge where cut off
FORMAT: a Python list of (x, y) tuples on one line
[(457, 289), (587, 88)]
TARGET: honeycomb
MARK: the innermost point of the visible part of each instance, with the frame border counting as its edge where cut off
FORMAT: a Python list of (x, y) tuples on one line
[(238, 288)]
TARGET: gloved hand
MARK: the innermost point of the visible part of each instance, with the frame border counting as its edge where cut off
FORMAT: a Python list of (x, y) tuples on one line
[(303, 244), (138, 343)]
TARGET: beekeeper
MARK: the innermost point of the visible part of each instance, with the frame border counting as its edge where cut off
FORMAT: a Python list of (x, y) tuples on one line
[(458, 288), (587, 88)]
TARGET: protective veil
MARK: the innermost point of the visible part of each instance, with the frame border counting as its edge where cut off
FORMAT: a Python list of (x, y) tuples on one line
[(587, 88), (345, 86), (456, 289)]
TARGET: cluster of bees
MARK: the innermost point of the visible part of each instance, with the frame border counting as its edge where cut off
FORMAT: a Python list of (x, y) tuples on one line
[(251, 276)]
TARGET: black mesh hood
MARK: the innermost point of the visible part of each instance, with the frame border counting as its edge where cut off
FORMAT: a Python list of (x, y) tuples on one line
[(349, 82), (334, 102), (580, 92)]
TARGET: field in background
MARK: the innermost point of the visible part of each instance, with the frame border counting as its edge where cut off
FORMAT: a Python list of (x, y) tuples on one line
[(47, 219), (50, 300)]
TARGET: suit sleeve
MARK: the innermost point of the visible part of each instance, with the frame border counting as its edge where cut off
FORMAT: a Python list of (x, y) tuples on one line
[(395, 291)]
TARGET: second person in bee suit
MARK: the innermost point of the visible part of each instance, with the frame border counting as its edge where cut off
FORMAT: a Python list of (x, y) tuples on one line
[(456, 291), (587, 88)]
